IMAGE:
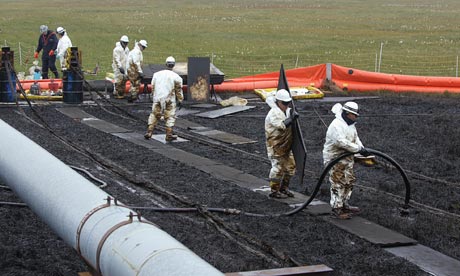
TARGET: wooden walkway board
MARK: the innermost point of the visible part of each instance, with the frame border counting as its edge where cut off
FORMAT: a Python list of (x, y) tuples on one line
[(428, 259), (74, 113), (225, 137), (372, 232), (103, 126), (312, 270), (223, 111), (90, 120)]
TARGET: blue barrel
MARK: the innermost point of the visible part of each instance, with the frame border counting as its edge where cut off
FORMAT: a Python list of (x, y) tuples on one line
[(7, 89), (72, 85)]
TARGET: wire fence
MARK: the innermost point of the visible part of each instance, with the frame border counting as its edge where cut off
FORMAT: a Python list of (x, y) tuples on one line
[(240, 64)]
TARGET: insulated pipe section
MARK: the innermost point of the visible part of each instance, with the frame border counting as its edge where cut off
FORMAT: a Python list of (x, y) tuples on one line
[(108, 236)]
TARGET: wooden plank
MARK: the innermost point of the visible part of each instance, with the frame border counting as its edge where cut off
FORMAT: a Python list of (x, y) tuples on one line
[(74, 112), (312, 270), (223, 111), (103, 126), (428, 259), (225, 137), (372, 232)]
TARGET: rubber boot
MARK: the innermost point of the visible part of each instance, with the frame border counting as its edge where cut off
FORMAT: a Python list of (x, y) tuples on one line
[(149, 132), (169, 135), (275, 189), (351, 209), (285, 186), (339, 213)]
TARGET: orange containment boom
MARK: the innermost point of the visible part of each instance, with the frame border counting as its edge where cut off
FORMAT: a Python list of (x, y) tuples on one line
[(305, 76), (346, 78), (359, 80)]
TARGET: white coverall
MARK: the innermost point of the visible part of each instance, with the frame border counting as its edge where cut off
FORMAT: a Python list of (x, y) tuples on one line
[(63, 44), (134, 65), (278, 143), (166, 87), (120, 58), (341, 138)]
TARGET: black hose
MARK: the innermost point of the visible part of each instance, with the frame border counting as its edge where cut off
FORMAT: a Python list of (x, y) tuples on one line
[(335, 161), (103, 183), (17, 204)]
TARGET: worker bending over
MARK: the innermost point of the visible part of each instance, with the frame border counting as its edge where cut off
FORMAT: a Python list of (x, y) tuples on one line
[(135, 73)]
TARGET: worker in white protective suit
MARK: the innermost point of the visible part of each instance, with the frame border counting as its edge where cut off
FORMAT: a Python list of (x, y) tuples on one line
[(166, 90), (342, 137), (120, 58), (135, 73), (63, 44), (278, 133)]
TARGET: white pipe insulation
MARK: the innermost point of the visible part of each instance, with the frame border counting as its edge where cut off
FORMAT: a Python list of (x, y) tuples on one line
[(110, 240)]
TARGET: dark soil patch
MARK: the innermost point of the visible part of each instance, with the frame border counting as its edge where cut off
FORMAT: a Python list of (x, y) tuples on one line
[(419, 132)]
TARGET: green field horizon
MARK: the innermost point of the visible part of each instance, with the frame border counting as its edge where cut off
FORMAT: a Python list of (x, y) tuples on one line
[(246, 37)]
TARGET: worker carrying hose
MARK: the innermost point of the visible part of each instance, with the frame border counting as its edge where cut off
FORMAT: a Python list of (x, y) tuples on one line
[(342, 137), (119, 60), (135, 73), (166, 90), (278, 134), (47, 41)]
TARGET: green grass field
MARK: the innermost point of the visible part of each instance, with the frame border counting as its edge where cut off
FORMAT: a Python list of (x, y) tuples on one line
[(245, 37)]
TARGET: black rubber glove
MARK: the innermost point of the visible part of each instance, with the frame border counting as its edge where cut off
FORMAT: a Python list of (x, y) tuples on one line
[(290, 119), (141, 76), (122, 71), (179, 105), (364, 152)]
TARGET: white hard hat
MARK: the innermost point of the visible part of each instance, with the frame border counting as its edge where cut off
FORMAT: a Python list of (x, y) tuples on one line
[(124, 38), (43, 29), (170, 60), (283, 95), (60, 30), (351, 107), (143, 43)]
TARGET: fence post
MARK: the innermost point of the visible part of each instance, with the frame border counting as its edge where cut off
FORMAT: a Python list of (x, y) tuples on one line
[(329, 71), (456, 69), (381, 50), (376, 61), (20, 54)]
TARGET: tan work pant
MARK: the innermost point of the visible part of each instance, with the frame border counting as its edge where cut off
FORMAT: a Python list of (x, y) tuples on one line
[(169, 113), (342, 178)]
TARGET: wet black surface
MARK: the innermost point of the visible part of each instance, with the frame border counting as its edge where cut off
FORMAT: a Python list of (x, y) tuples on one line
[(419, 132)]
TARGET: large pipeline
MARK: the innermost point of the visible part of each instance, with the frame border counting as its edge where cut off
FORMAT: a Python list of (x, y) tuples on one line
[(108, 236)]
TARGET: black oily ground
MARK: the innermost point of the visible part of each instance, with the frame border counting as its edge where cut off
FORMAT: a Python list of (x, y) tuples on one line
[(308, 240)]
